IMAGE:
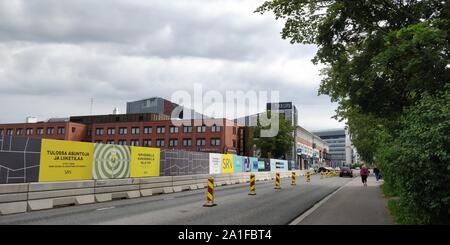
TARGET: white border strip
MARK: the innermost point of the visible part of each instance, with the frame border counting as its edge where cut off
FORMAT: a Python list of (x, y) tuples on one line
[(299, 219)]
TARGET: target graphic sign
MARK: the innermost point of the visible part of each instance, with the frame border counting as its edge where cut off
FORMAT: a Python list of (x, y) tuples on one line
[(111, 161)]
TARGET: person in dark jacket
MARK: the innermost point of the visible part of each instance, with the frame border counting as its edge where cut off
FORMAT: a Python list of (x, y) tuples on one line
[(377, 173)]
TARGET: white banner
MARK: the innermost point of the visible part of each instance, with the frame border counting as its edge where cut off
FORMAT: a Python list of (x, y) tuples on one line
[(215, 163)]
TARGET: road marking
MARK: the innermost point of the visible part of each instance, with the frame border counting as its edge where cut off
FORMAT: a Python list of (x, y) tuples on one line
[(316, 206), (100, 209)]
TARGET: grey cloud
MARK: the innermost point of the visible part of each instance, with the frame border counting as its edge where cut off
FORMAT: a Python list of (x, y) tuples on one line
[(55, 55), (140, 28)]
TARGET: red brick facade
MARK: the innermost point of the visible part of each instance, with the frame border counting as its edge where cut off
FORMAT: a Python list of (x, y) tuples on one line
[(222, 138)]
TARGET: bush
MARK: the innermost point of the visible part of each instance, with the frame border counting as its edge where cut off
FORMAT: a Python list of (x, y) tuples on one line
[(416, 164)]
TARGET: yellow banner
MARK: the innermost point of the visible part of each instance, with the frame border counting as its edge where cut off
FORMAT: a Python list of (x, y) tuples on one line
[(65, 160), (145, 162), (227, 164)]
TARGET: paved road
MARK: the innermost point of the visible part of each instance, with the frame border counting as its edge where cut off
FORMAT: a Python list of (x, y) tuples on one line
[(235, 206), (354, 204)]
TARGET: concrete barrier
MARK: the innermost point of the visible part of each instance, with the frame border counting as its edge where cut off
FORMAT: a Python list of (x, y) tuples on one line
[(110, 189), (13, 198), (46, 195), (155, 185), (17, 198), (183, 183)]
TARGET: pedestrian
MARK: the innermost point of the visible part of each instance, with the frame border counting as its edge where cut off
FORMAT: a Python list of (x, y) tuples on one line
[(364, 172), (376, 171)]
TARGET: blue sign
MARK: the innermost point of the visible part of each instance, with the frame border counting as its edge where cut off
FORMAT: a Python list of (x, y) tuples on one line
[(254, 164), (237, 163)]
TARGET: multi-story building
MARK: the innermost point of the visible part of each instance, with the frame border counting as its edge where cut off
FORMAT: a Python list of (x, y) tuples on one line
[(287, 109), (147, 129), (311, 150), (61, 129), (162, 106), (342, 152)]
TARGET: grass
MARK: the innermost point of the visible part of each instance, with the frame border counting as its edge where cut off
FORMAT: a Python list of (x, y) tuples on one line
[(398, 213)]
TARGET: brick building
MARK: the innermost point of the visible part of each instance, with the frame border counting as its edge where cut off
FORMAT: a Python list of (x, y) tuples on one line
[(145, 129)]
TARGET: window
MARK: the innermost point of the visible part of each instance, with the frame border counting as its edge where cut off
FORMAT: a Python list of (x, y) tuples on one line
[(134, 142), (9, 131), (160, 130), (187, 142), (173, 130), (234, 131), (99, 131), (50, 130), (1, 131), (123, 131), (187, 129), (147, 130), (215, 128), (74, 129), (39, 131), (234, 143), (201, 142), (173, 142), (135, 130), (201, 129), (111, 131), (110, 142), (61, 130), (122, 142), (99, 142), (215, 142), (147, 143), (160, 143), (19, 131), (89, 132), (29, 131)]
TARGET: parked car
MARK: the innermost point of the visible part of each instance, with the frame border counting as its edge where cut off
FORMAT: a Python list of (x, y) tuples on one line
[(321, 169), (346, 172)]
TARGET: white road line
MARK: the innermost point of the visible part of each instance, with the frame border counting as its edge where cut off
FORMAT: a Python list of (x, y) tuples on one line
[(317, 205), (100, 209)]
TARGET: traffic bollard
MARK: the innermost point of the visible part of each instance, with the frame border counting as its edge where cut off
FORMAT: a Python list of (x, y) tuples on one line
[(308, 177), (252, 185), (321, 175), (210, 194), (277, 181), (293, 179)]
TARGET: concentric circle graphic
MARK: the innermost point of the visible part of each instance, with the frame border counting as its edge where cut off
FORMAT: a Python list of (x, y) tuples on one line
[(111, 161)]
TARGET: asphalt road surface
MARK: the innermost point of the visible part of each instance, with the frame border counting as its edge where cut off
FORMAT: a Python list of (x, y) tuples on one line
[(234, 207)]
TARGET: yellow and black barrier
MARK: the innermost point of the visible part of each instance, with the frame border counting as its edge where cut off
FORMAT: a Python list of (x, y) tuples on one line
[(308, 177), (277, 181), (210, 193), (321, 174), (293, 179), (252, 185)]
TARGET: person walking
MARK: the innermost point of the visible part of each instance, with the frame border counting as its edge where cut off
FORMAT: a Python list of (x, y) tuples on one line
[(364, 172), (376, 171)]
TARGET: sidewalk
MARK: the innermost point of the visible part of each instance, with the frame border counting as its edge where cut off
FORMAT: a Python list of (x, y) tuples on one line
[(354, 204)]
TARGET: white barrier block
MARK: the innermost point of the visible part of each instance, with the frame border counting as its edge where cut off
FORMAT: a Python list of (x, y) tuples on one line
[(13, 208), (40, 204), (147, 192), (80, 200), (167, 190), (106, 197), (133, 194)]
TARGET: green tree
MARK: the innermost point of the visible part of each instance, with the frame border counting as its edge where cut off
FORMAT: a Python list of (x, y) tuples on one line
[(387, 66), (274, 147)]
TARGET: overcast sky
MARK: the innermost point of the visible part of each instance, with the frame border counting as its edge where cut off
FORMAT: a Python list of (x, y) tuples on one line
[(55, 55)]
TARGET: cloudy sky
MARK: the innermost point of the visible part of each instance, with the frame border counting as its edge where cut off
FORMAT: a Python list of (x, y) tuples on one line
[(55, 55)]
